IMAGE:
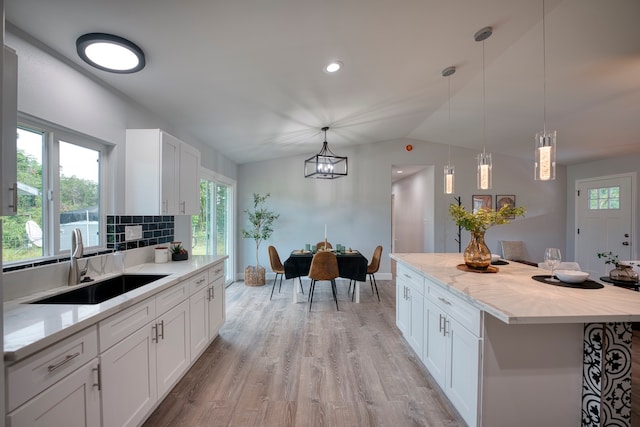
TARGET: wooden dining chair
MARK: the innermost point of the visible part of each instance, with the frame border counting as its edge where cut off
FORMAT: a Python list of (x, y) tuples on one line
[(324, 266), (320, 245), (276, 267), (372, 269)]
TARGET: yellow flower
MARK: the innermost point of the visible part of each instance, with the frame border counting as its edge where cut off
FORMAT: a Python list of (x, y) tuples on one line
[(483, 219)]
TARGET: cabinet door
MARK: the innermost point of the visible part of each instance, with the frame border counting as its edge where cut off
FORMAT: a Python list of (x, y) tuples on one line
[(173, 355), (216, 307), (189, 181), (434, 353), (403, 308), (170, 157), (199, 325), (71, 402), (129, 379), (8, 148), (416, 335), (463, 359)]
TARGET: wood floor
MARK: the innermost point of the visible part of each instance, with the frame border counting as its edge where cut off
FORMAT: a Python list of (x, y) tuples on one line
[(277, 364)]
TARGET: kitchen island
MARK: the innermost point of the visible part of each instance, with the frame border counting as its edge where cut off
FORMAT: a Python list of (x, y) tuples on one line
[(508, 350)]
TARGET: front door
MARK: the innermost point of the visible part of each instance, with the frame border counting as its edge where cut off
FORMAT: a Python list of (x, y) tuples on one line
[(604, 221)]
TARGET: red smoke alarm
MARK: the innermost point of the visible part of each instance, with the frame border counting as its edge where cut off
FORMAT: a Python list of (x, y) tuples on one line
[(409, 147)]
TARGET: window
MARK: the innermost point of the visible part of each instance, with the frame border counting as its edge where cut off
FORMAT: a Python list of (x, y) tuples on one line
[(604, 198), (213, 227), (59, 189)]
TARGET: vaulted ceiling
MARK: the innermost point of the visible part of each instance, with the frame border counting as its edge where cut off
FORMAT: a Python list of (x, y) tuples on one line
[(246, 76)]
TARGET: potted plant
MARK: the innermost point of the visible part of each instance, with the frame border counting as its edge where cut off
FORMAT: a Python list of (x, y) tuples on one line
[(178, 252), (261, 220), (477, 255), (621, 272)]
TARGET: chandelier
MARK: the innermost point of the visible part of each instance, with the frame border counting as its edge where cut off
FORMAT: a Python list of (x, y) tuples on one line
[(325, 164)]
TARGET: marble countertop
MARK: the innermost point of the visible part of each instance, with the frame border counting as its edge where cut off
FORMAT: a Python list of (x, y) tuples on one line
[(512, 296), (29, 328)]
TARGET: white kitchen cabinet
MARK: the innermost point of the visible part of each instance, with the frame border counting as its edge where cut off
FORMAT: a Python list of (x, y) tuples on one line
[(8, 149), (216, 307), (173, 356), (129, 389), (452, 348), (409, 307), (72, 402), (207, 305), (162, 174)]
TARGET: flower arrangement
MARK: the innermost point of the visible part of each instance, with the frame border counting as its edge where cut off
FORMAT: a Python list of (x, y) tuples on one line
[(610, 258), (483, 219)]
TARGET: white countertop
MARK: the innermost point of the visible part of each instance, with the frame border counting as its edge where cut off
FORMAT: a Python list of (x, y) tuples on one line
[(512, 296), (31, 327)]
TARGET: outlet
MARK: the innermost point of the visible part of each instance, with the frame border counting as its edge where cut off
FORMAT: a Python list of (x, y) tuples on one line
[(133, 232)]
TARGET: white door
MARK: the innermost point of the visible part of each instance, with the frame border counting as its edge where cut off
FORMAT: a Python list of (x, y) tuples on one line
[(604, 221)]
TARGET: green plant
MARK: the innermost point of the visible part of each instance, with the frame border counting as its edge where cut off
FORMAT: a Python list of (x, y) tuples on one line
[(261, 221), (177, 248), (610, 258), (483, 219)]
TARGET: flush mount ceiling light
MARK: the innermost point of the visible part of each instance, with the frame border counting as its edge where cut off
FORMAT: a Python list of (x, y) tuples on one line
[(325, 164), (484, 159), (110, 53), (545, 151), (333, 67)]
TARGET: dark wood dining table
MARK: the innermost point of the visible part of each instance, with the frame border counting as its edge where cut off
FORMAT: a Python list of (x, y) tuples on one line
[(351, 265)]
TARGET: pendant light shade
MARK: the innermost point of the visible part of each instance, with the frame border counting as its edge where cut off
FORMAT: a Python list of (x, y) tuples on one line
[(545, 142), (325, 164), (449, 170), (484, 171), (484, 158)]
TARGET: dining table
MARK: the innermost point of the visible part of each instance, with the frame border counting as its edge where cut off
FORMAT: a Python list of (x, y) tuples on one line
[(352, 265)]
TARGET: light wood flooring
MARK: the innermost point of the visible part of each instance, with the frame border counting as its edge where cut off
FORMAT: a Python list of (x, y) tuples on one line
[(277, 364)]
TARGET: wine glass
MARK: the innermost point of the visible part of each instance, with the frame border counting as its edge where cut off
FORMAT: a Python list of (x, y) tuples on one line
[(552, 258)]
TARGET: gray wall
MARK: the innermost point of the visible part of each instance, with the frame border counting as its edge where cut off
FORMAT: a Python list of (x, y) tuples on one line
[(357, 208)]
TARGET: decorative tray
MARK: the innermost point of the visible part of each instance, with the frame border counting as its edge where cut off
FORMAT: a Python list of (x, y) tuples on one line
[(500, 262), (587, 284), (490, 269), (627, 284)]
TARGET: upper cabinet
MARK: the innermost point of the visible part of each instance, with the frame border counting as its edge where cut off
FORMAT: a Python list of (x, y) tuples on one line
[(9, 180), (162, 174)]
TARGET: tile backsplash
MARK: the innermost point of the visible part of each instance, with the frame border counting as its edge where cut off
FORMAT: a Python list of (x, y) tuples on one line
[(155, 230)]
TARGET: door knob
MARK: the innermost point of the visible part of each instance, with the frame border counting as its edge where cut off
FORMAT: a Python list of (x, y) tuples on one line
[(626, 235), (625, 243)]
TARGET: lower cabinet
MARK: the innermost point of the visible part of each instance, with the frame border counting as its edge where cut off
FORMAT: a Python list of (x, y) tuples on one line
[(173, 356), (71, 402), (207, 307), (410, 311)]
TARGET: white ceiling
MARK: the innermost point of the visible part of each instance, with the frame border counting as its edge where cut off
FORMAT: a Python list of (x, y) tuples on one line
[(246, 76)]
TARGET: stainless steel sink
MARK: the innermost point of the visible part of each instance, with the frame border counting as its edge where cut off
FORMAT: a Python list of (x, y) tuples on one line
[(102, 291)]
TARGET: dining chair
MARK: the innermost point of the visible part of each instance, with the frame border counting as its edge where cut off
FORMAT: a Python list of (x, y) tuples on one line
[(324, 266), (320, 245), (372, 269), (276, 267)]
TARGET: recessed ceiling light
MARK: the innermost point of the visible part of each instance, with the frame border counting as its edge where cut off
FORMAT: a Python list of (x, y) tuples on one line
[(333, 66), (110, 53), (400, 172)]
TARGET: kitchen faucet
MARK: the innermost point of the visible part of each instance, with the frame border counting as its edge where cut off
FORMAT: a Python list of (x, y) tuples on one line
[(77, 250)]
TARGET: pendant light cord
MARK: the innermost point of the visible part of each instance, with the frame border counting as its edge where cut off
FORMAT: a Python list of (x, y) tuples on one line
[(544, 73), (449, 107), (484, 101)]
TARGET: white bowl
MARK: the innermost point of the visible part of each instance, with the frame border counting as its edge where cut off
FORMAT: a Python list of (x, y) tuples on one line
[(495, 257), (571, 276)]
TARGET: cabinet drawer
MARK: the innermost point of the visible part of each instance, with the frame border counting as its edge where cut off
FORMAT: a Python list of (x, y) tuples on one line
[(119, 326), (216, 272), (198, 282), (34, 374), (411, 278), (171, 297), (466, 314)]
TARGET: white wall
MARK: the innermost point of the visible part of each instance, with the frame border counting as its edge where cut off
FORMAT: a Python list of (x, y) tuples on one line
[(357, 208), (413, 198)]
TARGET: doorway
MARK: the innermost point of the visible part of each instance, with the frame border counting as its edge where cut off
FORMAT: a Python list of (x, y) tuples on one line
[(605, 221)]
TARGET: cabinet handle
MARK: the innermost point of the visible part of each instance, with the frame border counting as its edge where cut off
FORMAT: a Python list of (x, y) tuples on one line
[(444, 300), (441, 325), (209, 297), (408, 293), (68, 358), (446, 327), (154, 331), (200, 281), (213, 293), (14, 189), (161, 334), (184, 207), (98, 377)]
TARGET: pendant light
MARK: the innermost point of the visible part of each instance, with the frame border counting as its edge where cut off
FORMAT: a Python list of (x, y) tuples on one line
[(325, 164), (545, 149), (484, 158), (449, 170)]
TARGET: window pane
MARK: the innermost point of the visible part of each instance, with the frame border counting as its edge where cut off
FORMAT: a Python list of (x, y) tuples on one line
[(202, 222), (79, 194), (22, 236), (222, 227)]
